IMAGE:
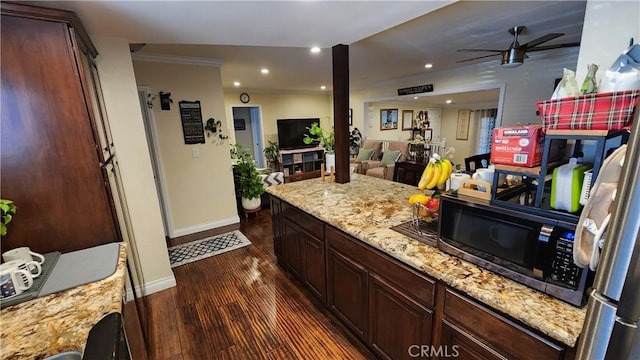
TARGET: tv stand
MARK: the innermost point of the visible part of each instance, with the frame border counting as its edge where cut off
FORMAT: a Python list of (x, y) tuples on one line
[(301, 164)]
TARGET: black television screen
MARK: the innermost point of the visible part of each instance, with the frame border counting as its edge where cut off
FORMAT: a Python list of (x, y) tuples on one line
[(291, 132)]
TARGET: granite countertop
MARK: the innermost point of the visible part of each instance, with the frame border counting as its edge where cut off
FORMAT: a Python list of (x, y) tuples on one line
[(368, 207), (60, 322)]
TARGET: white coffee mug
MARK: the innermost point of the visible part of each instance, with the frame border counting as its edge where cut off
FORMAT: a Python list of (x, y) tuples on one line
[(484, 174), (32, 267), (13, 281), (23, 253)]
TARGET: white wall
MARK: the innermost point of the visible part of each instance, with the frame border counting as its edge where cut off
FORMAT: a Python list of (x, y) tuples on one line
[(123, 111), (608, 26), (200, 188)]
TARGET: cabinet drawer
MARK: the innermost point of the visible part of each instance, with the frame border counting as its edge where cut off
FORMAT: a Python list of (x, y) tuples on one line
[(502, 334), (402, 276), (307, 222)]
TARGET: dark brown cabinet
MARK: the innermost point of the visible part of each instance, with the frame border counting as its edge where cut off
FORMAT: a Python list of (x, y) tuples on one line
[(300, 240), (399, 326), (384, 302), (395, 310), (276, 224), (484, 334), (51, 151), (347, 293)]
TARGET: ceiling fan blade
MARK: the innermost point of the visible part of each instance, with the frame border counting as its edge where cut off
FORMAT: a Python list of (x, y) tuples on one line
[(476, 58), (490, 50), (540, 40), (557, 46)]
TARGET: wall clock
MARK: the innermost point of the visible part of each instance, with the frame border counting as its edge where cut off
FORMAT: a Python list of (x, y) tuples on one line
[(244, 97)]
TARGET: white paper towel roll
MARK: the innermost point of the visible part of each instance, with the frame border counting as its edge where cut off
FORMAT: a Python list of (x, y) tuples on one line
[(456, 179)]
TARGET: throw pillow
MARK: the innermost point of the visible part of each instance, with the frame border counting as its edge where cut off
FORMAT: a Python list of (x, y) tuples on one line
[(389, 157), (364, 154)]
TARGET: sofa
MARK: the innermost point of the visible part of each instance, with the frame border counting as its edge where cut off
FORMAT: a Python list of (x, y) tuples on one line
[(380, 165)]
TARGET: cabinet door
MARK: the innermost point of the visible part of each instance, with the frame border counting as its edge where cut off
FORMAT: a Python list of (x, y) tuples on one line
[(314, 267), (459, 344), (276, 224), (347, 291), (292, 248), (398, 325), (49, 162)]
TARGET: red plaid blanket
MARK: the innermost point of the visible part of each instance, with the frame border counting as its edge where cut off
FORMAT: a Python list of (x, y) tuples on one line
[(605, 111)]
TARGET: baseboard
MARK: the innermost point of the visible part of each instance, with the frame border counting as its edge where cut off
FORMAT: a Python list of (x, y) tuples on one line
[(153, 287), (205, 226)]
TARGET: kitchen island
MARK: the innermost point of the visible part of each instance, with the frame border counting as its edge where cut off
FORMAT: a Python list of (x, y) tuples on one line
[(61, 322), (366, 208)]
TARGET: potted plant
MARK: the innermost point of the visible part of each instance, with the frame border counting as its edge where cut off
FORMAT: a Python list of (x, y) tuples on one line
[(272, 153), (355, 141), (7, 210), (250, 185), (324, 139)]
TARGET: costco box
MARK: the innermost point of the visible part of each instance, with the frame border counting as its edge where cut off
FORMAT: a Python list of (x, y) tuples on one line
[(523, 146)]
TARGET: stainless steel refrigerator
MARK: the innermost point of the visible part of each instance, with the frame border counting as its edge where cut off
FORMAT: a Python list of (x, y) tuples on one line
[(611, 325)]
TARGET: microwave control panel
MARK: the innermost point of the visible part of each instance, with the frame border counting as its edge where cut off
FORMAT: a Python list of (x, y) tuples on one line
[(563, 270)]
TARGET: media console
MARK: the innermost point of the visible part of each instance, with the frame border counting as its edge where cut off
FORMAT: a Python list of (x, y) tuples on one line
[(301, 164)]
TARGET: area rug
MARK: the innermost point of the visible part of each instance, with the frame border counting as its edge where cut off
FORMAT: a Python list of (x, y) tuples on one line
[(202, 249)]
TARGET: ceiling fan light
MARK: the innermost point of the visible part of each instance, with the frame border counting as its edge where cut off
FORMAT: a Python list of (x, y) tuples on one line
[(512, 58)]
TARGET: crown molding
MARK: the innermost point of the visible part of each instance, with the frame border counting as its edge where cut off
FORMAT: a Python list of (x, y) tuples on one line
[(175, 59)]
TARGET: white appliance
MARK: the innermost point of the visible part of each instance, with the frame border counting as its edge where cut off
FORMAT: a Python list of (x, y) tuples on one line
[(611, 326)]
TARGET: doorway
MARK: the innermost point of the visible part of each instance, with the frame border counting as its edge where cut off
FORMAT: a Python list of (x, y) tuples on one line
[(247, 126), (154, 153)]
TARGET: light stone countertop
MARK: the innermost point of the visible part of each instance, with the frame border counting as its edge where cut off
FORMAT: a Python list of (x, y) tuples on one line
[(60, 322), (367, 207)]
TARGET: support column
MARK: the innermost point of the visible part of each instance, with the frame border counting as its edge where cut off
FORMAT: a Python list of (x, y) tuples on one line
[(341, 110)]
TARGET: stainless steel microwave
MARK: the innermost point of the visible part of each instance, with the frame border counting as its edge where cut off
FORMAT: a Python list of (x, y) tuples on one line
[(533, 250)]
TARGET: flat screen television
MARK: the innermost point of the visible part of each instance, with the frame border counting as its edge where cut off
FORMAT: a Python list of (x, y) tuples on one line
[(291, 132)]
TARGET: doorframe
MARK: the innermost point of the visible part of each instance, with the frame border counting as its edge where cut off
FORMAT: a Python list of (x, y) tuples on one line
[(156, 163), (257, 151)]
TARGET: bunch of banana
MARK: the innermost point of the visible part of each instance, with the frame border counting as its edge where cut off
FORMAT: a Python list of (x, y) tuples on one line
[(436, 173)]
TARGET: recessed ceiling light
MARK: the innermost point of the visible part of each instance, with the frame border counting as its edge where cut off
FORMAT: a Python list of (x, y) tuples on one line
[(315, 50), (264, 71), (236, 83), (323, 87), (449, 101), (428, 66)]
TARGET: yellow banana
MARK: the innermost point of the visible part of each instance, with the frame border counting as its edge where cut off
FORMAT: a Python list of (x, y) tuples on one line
[(426, 177), (436, 176), (446, 171)]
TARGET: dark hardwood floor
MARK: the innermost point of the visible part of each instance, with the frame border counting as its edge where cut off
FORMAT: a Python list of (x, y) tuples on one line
[(241, 305)]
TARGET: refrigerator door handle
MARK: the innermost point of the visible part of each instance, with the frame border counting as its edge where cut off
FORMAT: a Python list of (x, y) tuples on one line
[(594, 339)]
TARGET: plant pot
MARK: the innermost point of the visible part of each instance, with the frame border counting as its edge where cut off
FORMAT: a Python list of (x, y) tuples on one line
[(251, 204), (330, 160)]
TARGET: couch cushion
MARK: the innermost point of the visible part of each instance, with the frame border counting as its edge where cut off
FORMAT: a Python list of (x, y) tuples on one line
[(365, 154), (376, 145), (389, 157)]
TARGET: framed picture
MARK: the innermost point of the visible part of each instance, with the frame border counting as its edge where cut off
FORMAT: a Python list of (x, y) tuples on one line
[(462, 131), (350, 116), (239, 124), (427, 134), (388, 119), (407, 119)]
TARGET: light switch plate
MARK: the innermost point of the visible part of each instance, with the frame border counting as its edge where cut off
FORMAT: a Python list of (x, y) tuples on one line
[(195, 153)]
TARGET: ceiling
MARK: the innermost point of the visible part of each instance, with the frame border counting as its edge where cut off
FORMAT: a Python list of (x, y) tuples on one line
[(388, 40)]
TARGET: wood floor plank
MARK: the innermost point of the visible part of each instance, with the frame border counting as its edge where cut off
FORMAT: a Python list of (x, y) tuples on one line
[(241, 305)]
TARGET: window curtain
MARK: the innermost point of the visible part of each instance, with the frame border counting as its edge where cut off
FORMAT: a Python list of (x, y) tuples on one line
[(487, 120)]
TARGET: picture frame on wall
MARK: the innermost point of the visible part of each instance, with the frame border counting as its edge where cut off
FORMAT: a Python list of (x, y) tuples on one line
[(462, 130), (239, 124), (388, 119), (407, 119)]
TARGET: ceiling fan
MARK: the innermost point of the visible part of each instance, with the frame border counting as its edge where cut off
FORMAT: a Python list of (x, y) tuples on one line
[(516, 53)]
